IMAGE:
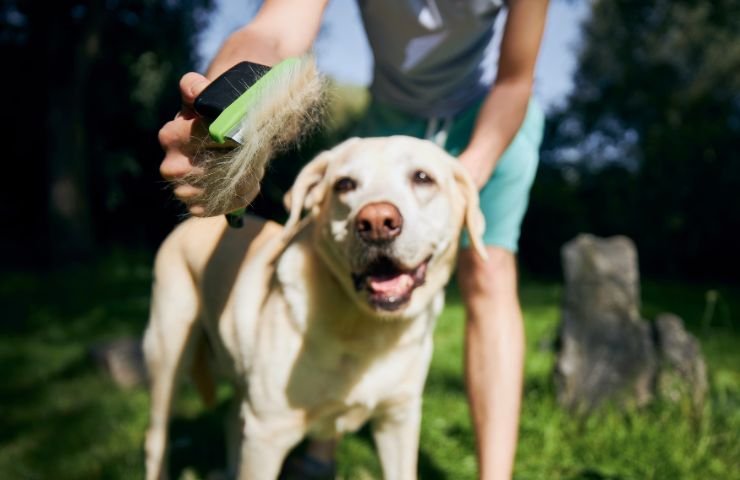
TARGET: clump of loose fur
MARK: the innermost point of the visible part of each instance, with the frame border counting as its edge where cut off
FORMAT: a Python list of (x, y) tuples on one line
[(286, 109)]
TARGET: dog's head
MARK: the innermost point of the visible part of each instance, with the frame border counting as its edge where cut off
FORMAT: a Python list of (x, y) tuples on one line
[(388, 213)]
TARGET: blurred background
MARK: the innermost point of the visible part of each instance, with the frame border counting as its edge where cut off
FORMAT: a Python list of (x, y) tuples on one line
[(643, 140)]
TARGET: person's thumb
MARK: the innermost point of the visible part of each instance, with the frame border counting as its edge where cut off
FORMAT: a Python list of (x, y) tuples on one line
[(191, 84)]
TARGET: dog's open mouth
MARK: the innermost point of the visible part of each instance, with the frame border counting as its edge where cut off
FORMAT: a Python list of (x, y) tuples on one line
[(388, 284)]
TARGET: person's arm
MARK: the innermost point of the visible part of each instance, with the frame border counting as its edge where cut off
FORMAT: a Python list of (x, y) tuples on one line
[(281, 29), (506, 104), (495, 344)]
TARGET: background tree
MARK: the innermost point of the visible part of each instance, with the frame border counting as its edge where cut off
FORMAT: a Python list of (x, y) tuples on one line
[(648, 143), (89, 85)]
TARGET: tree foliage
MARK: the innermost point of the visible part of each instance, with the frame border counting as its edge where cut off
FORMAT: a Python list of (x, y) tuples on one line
[(90, 83), (648, 143)]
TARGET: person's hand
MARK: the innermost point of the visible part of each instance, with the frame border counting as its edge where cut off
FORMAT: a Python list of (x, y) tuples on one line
[(479, 166), (181, 138)]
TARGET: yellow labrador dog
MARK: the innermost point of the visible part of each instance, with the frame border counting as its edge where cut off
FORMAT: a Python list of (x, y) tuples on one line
[(322, 324)]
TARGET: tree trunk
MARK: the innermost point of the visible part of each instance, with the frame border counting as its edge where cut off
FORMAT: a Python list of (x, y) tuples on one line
[(70, 223)]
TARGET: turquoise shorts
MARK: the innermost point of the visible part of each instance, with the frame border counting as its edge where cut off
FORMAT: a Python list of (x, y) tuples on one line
[(505, 197)]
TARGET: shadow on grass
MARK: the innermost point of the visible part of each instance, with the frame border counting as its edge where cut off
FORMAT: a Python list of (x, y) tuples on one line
[(198, 443), (428, 469), (60, 418), (591, 474)]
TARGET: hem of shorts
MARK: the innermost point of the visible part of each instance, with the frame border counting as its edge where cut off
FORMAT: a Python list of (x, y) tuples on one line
[(513, 248)]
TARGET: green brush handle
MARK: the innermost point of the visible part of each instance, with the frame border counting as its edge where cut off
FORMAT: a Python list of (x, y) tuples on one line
[(235, 219), (227, 100), (227, 124)]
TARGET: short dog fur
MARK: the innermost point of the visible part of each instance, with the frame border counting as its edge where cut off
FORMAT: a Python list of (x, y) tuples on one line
[(321, 324)]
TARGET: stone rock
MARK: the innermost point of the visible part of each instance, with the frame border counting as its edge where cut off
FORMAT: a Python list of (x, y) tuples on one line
[(682, 372), (605, 349), (122, 359)]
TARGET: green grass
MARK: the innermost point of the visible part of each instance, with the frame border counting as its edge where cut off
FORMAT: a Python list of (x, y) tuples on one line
[(61, 418)]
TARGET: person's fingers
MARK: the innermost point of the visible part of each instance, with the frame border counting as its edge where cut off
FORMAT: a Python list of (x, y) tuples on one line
[(184, 131), (187, 192), (191, 84), (189, 195), (197, 210), (181, 139), (175, 165), (171, 135)]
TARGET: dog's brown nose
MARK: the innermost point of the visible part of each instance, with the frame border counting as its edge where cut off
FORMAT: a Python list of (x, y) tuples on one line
[(378, 222)]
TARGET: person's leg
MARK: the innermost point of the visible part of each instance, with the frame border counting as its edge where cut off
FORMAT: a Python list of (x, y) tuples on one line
[(494, 355), (494, 333)]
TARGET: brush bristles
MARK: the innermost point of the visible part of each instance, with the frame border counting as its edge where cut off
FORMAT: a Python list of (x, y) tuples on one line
[(287, 108)]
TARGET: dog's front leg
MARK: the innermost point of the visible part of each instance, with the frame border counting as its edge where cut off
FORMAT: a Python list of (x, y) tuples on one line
[(261, 460), (234, 431), (396, 434), (265, 446), (168, 343)]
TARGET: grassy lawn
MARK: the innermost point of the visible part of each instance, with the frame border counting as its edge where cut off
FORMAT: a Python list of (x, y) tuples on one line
[(61, 418)]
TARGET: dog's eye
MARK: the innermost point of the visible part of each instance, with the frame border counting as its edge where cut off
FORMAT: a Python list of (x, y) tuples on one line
[(344, 184), (420, 177)]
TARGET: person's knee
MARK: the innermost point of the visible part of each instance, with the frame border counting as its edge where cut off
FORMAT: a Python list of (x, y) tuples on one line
[(480, 278)]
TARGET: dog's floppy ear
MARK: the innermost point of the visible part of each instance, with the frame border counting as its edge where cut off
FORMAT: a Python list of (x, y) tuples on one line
[(309, 187), (475, 223), (306, 191)]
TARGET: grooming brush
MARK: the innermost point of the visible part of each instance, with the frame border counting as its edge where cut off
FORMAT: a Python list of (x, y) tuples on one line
[(257, 110)]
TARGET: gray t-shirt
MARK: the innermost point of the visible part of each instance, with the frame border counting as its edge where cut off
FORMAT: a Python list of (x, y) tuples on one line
[(432, 57)]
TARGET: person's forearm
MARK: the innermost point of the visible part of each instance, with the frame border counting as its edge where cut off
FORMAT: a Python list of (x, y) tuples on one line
[(494, 366), (245, 44), (500, 118), (281, 29), (506, 105)]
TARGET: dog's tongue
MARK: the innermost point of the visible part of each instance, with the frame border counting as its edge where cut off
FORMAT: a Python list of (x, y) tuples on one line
[(393, 286)]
